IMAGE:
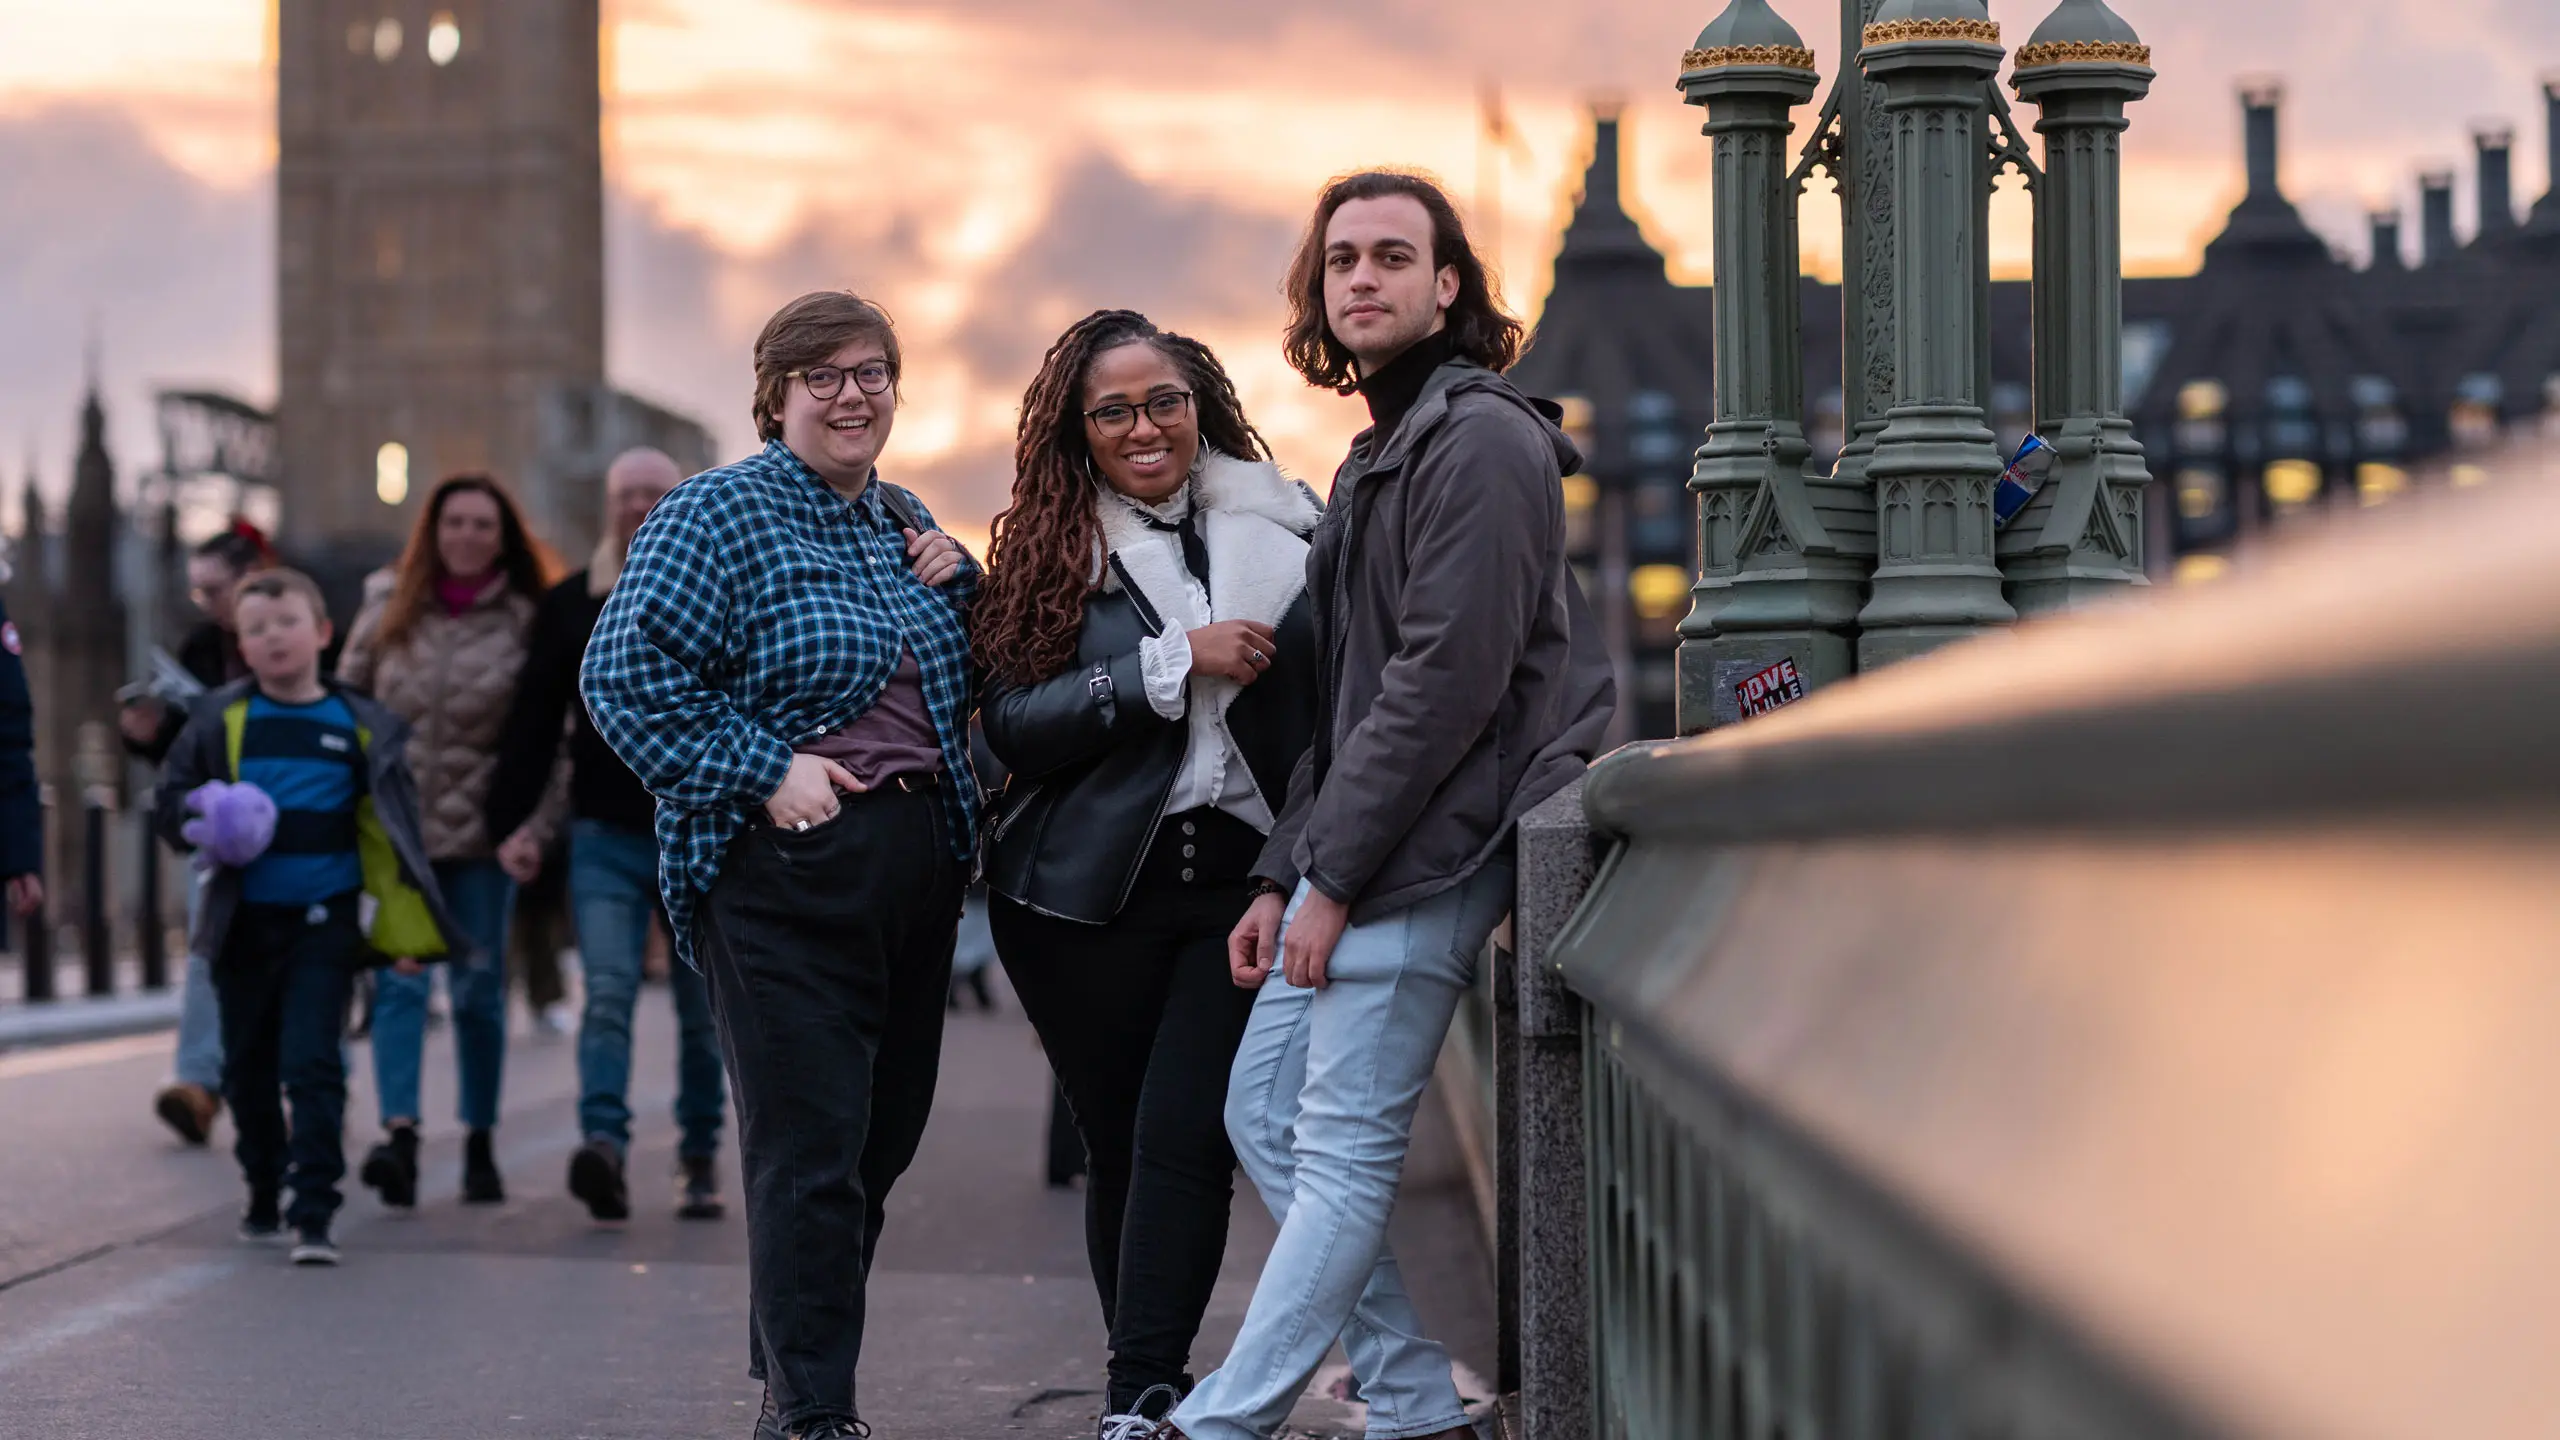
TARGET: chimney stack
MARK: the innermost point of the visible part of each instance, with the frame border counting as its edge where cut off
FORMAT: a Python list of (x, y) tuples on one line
[(2386, 241), (2435, 217), (2259, 101), (2495, 145)]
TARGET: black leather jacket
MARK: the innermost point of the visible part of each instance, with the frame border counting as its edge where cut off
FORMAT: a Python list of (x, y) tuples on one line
[(1091, 761)]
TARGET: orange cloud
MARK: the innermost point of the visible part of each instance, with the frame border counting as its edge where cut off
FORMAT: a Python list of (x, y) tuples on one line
[(992, 168)]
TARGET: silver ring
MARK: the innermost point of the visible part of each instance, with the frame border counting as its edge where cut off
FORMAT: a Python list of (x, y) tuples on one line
[(1258, 657), (799, 824)]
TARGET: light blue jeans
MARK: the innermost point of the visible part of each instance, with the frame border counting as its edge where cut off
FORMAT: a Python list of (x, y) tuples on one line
[(1320, 1107), (613, 892), (199, 1059), (483, 901)]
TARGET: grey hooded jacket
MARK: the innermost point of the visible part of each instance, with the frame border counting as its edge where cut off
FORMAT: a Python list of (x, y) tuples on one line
[(1464, 679)]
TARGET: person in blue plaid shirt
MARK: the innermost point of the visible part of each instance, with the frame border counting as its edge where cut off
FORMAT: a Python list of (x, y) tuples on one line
[(785, 665)]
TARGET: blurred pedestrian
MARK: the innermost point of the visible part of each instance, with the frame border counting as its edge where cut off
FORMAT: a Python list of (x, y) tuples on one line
[(785, 664), (537, 935), (210, 655), (440, 641), (613, 876), (21, 803), (296, 797), (1151, 684)]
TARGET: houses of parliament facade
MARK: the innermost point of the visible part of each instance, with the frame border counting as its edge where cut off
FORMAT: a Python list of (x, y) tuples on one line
[(2276, 380)]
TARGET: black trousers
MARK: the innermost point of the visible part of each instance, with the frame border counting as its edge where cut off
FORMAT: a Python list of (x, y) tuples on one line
[(829, 956), (1141, 1023), (281, 984)]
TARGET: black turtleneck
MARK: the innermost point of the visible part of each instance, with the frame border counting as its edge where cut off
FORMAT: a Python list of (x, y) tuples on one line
[(1392, 391)]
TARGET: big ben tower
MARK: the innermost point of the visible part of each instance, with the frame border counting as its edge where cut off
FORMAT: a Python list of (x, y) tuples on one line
[(440, 251)]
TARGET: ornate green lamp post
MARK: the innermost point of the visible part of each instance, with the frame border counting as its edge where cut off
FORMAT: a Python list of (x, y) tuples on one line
[(2081, 537), (1781, 554), (1936, 462)]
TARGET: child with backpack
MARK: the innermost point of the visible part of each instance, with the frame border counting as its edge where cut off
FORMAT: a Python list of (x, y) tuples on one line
[(296, 798)]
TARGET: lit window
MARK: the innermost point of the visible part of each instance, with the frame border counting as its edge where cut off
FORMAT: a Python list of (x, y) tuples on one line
[(2199, 493), (391, 472), (2377, 483), (2466, 476), (444, 38), (1580, 494), (2292, 483), (2202, 400), (1661, 592), (2145, 345), (2200, 569), (386, 40)]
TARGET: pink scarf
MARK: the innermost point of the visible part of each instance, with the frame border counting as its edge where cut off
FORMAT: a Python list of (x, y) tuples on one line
[(458, 594)]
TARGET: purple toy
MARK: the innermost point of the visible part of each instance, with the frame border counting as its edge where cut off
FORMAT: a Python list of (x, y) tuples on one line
[(235, 823)]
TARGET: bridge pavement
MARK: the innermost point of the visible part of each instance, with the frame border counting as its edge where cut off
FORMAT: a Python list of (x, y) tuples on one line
[(127, 1308)]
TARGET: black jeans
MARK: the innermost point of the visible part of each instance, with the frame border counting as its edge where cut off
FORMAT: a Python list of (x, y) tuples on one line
[(1141, 1023), (282, 983), (829, 958)]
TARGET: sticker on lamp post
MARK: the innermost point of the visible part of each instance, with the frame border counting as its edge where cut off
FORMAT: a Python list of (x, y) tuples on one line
[(1778, 685)]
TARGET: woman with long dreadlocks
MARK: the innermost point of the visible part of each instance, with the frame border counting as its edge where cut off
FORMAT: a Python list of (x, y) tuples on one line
[(1151, 683)]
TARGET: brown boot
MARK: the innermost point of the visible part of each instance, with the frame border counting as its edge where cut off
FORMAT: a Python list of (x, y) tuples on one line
[(188, 1109)]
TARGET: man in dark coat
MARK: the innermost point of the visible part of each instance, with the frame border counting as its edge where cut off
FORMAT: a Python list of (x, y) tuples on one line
[(1462, 683)]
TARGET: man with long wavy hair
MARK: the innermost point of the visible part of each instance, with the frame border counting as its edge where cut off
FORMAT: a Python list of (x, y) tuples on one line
[(1462, 683)]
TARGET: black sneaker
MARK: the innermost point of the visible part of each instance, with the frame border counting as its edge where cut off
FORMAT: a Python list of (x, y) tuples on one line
[(595, 1177), (1136, 1423), (480, 1183), (314, 1247), (834, 1430), (391, 1168), (769, 1424), (698, 1188), (263, 1222)]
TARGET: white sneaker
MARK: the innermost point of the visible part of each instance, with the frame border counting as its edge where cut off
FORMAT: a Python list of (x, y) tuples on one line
[(314, 1247), (553, 1020)]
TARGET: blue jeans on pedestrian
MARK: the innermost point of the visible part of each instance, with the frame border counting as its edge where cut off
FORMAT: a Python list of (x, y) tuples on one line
[(483, 902), (613, 895), (199, 1059), (1320, 1107)]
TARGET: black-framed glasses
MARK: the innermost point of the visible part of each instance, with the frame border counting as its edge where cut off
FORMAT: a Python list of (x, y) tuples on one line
[(826, 382), (1119, 418)]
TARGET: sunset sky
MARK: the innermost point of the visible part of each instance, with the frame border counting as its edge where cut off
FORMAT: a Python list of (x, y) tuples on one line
[(994, 168)]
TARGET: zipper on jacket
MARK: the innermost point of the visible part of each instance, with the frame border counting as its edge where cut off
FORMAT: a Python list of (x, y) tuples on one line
[(1016, 810), (1332, 677), (1130, 882)]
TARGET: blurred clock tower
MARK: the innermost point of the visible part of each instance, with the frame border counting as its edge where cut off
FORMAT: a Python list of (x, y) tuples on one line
[(440, 258)]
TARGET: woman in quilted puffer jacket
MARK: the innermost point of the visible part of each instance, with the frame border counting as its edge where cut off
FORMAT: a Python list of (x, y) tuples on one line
[(440, 640)]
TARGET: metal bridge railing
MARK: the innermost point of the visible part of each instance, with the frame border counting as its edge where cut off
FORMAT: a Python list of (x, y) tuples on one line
[(2140, 1024)]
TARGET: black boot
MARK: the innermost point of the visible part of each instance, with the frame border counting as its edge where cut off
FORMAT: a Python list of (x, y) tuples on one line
[(391, 1168), (698, 1188), (480, 1183), (595, 1177)]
